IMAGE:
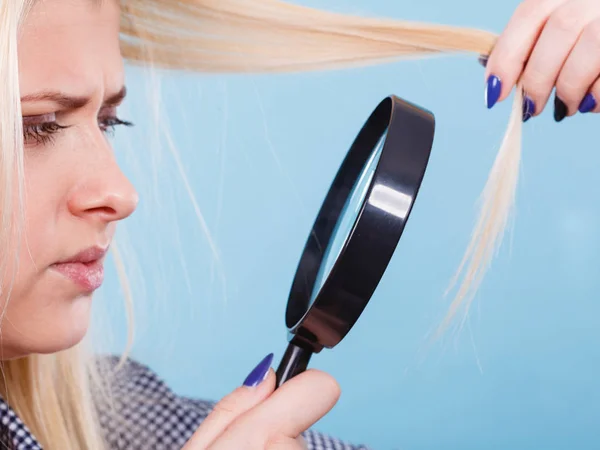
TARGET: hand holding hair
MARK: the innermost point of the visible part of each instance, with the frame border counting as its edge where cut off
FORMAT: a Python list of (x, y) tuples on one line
[(548, 44)]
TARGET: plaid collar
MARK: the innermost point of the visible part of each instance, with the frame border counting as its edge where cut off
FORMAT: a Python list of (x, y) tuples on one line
[(15, 434)]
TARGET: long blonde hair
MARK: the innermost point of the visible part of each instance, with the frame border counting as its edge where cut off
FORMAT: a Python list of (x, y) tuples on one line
[(53, 393)]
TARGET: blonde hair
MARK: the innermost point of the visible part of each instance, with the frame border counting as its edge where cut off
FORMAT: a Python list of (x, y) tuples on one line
[(272, 36), (52, 393)]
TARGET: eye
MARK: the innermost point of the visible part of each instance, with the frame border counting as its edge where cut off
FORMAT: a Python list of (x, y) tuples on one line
[(40, 129), (108, 120), (108, 124)]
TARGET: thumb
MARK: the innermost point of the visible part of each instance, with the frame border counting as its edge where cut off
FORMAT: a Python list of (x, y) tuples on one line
[(258, 385)]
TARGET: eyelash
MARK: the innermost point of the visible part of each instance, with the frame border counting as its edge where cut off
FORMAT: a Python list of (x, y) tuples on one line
[(43, 133)]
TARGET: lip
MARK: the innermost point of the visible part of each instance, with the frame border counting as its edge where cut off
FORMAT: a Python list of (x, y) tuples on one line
[(85, 269)]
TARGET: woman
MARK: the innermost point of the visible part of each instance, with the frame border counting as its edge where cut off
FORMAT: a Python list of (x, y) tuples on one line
[(62, 193)]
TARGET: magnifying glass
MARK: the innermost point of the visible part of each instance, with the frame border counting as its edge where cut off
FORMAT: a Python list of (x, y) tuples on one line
[(356, 230)]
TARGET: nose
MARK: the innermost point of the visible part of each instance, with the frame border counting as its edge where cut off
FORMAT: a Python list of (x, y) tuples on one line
[(103, 194)]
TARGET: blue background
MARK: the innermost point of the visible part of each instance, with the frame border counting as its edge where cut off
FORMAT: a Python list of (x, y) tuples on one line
[(259, 153)]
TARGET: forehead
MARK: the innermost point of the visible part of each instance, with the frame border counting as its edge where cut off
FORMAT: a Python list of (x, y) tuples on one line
[(71, 45)]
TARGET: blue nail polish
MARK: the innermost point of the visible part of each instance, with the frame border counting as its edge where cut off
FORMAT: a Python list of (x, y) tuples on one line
[(260, 372), (528, 108), (492, 90), (483, 60), (587, 104)]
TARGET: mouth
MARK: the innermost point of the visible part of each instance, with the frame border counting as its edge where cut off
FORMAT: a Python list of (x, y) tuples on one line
[(86, 269)]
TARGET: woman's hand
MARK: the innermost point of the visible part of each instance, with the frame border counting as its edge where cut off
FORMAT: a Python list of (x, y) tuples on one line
[(549, 43), (254, 417)]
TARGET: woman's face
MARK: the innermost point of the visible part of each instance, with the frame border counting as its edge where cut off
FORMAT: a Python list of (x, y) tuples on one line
[(72, 76)]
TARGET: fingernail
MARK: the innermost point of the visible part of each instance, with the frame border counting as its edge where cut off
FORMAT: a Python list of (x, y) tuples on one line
[(483, 60), (259, 373), (492, 90), (587, 104), (560, 109), (528, 108)]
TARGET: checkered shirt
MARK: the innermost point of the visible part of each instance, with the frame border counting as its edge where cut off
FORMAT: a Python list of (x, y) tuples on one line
[(158, 420)]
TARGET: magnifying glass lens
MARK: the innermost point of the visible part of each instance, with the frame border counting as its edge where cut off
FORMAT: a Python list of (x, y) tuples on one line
[(347, 219)]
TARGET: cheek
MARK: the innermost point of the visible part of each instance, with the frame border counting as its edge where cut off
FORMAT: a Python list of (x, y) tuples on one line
[(38, 319), (44, 201)]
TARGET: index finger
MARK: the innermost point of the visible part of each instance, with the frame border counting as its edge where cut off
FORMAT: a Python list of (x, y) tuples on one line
[(292, 409), (230, 407), (513, 47)]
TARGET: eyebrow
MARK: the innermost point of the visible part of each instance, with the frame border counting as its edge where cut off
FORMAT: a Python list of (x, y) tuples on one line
[(72, 102)]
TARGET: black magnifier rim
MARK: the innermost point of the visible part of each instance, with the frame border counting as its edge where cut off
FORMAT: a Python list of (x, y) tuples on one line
[(374, 236)]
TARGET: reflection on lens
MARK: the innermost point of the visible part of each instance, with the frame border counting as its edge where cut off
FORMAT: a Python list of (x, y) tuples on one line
[(347, 218)]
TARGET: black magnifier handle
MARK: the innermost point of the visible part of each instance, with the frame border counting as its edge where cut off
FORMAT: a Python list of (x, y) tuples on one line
[(295, 361)]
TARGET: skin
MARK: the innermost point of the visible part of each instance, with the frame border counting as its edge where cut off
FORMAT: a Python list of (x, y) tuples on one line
[(550, 44)]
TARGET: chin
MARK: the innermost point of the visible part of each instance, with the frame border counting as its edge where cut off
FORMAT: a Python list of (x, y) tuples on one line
[(56, 328)]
